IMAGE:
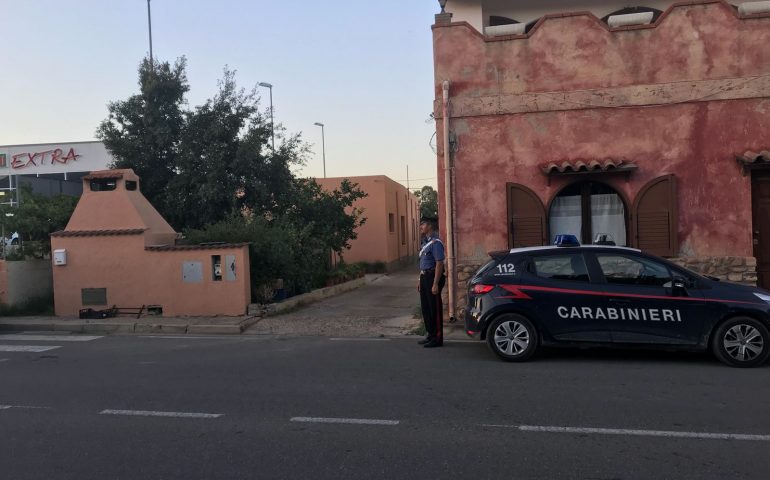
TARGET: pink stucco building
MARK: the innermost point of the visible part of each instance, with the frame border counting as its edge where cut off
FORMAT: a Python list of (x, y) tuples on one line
[(117, 250), (651, 124), (392, 212)]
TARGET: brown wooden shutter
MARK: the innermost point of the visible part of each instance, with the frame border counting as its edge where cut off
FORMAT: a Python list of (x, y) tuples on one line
[(655, 217), (526, 217)]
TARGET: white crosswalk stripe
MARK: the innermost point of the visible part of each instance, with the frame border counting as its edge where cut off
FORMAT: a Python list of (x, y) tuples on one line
[(49, 338), (12, 342), (28, 348)]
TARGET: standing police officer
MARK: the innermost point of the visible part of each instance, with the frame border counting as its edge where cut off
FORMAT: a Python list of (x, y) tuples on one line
[(431, 282)]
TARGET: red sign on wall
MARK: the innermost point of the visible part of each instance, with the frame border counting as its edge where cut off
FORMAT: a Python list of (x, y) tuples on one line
[(48, 157)]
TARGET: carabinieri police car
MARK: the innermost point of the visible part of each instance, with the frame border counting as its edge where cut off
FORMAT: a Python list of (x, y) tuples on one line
[(569, 294)]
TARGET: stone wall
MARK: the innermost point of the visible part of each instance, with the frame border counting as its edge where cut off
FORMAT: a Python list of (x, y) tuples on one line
[(464, 274), (732, 269)]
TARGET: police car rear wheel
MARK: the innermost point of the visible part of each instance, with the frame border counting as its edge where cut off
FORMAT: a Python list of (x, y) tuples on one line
[(512, 337), (741, 342)]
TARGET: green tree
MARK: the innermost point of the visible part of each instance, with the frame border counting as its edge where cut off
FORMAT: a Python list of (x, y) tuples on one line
[(37, 217), (143, 132), (428, 201), (212, 172)]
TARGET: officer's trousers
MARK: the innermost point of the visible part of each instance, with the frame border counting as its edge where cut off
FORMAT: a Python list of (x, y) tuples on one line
[(432, 309)]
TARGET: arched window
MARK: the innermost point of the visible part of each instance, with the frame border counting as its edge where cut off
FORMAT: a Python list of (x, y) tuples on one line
[(587, 210)]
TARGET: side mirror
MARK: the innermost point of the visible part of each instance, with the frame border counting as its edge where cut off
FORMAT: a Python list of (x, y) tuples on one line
[(677, 287)]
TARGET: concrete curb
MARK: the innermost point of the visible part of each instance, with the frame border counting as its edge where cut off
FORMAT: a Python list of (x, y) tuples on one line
[(173, 326), (312, 297)]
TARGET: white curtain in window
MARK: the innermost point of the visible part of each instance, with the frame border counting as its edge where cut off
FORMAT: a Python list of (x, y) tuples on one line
[(608, 216), (566, 216)]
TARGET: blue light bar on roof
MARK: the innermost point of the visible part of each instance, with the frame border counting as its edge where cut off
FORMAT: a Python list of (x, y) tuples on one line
[(566, 241)]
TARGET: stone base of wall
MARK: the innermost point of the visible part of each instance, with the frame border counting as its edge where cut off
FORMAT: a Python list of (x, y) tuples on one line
[(731, 269), (464, 274), (741, 270)]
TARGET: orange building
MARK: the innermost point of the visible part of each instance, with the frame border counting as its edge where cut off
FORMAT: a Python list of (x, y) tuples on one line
[(390, 234), (117, 250)]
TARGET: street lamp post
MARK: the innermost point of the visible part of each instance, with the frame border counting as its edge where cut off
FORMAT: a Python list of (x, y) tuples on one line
[(149, 28), (272, 125), (323, 143)]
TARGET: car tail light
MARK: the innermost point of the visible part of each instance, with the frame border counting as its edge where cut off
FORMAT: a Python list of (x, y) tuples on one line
[(482, 289)]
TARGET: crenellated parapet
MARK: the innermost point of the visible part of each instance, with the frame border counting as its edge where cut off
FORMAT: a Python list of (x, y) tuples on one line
[(695, 51)]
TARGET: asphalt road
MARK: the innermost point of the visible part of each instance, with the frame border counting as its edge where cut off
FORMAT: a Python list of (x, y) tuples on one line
[(133, 407)]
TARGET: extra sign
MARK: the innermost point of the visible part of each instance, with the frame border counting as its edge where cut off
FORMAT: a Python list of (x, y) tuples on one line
[(54, 158)]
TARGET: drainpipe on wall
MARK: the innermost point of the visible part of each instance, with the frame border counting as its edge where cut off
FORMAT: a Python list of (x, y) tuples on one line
[(449, 211)]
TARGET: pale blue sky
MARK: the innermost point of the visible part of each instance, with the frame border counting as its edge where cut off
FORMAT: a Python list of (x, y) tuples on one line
[(362, 68)]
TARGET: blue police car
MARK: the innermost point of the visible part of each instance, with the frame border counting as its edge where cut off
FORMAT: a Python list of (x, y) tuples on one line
[(568, 294)]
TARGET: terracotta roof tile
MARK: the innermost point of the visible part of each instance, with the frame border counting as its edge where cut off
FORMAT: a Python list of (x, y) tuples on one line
[(97, 233), (204, 246), (593, 166), (104, 174), (754, 158)]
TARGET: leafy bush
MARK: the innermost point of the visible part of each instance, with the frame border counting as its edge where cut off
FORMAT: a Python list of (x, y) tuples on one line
[(344, 272), (276, 251), (372, 267)]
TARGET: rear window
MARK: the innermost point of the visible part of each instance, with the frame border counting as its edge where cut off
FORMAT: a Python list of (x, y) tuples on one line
[(560, 267), (485, 268)]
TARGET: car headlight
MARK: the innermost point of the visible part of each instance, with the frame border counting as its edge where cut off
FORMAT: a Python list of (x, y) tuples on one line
[(763, 297)]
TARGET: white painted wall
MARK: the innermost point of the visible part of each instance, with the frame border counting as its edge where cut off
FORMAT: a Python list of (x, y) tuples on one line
[(85, 157), (29, 279), (477, 12)]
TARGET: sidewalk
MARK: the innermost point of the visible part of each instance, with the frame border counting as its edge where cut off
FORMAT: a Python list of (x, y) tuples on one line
[(380, 306), (149, 324)]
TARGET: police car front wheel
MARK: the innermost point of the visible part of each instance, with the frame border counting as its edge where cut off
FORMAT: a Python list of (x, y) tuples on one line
[(512, 337), (741, 342)]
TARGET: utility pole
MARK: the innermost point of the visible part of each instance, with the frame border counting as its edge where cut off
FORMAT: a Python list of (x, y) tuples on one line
[(149, 28), (407, 180)]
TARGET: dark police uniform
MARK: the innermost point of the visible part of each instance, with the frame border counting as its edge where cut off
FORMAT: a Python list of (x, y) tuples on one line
[(432, 251)]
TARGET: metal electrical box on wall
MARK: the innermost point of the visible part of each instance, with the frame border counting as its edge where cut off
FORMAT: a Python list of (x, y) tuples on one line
[(192, 272), (60, 257)]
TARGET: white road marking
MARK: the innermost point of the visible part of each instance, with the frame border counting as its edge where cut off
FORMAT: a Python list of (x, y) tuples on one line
[(634, 432), (354, 421), (25, 407), (202, 337), (357, 339), (3, 359), (144, 413), (27, 348), (51, 338)]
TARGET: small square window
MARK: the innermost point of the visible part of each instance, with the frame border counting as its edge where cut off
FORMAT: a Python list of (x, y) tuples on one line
[(103, 184), (131, 185)]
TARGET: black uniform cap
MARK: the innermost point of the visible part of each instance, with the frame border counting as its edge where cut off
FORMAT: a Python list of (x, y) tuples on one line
[(430, 220)]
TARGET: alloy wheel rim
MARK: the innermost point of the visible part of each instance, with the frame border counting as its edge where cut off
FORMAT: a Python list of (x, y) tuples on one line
[(743, 342), (511, 338)]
